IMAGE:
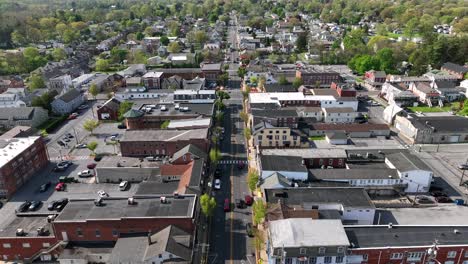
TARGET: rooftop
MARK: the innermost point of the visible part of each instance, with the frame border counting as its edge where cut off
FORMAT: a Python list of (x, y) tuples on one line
[(306, 232), (29, 224), (282, 163), (348, 197), (307, 153), (164, 135), (12, 147), (352, 174), (338, 110), (18, 113), (211, 67), (277, 97), (188, 109), (152, 74), (405, 161), (405, 236), (451, 124), (195, 122), (117, 208)]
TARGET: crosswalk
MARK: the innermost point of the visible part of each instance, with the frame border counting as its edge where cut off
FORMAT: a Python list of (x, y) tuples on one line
[(70, 158), (233, 161)]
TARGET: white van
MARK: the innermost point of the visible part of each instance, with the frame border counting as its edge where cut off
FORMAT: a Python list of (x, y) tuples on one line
[(123, 185)]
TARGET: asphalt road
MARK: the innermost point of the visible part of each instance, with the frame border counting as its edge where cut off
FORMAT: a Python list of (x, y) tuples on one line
[(229, 242)]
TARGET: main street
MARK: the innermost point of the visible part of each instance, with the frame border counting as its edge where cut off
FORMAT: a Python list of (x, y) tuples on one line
[(229, 242)]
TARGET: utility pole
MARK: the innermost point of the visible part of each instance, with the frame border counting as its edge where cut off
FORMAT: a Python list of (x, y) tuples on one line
[(463, 173), (76, 135)]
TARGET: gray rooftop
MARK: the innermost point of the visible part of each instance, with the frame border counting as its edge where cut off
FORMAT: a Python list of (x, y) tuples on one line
[(164, 135), (306, 232), (405, 161), (282, 163), (193, 110), (29, 224), (307, 153), (352, 174), (348, 197), (450, 124), (18, 113), (405, 236), (117, 208), (192, 149), (69, 96)]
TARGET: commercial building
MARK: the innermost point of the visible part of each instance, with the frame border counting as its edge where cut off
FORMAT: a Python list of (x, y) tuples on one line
[(313, 158), (20, 159), (152, 80), (267, 136), (22, 116), (317, 77)]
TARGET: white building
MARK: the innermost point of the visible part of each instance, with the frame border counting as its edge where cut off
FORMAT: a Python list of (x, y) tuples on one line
[(10, 100), (411, 171), (339, 115)]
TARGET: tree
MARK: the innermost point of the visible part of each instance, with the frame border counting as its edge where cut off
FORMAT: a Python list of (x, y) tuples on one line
[(173, 47), (215, 155), (165, 124), (208, 204), (118, 55), (259, 210), (222, 95), (43, 101), (58, 54), (124, 107), (244, 116), (241, 72), (223, 78), (92, 146), (297, 82), (90, 125), (247, 133), (36, 82), (363, 63), (219, 116), (252, 180), (301, 43), (282, 80), (93, 90), (102, 65), (164, 40), (386, 60)]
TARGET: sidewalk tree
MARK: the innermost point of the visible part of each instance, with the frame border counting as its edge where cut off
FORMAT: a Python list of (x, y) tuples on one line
[(252, 180), (297, 82), (208, 204), (219, 117), (244, 116), (165, 124), (222, 95), (90, 125), (259, 209), (247, 133), (215, 155), (282, 80), (93, 90), (219, 105), (241, 72), (92, 146)]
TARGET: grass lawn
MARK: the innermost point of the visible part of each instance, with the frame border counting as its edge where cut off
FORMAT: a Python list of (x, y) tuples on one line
[(427, 109), (317, 138)]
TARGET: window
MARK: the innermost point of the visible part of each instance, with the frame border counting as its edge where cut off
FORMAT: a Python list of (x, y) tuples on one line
[(115, 232), (98, 233), (415, 255), (45, 245), (284, 131), (340, 250), (312, 260), (6, 245), (451, 254), (288, 261), (396, 256), (302, 251), (160, 256), (339, 259), (26, 245), (330, 162), (365, 257), (259, 137), (449, 262), (79, 232), (322, 250), (466, 254), (285, 137), (302, 261), (327, 259)]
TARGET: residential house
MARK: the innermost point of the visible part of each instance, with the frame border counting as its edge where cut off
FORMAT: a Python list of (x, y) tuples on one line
[(375, 79), (300, 240), (211, 71), (289, 166), (267, 136), (152, 80), (103, 82), (133, 70), (133, 81), (337, 137), (109, 110), (22, 116), (82, 80), (172, 83), (433, 130), (354, 130), (184, 73), (339, 115), (188, 154), (278, 118), (195, 84), (397, 93), (60, 84), (411, 170), (67, 102), (455, 69), (448, 90), (425, 93), (11, 100)]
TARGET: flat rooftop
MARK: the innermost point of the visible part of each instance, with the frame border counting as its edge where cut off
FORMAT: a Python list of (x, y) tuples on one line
[(451, 215), (405, 236), (257, 98), (164, 135), (348, 197), (10, 148), (352, 174), (193, 109), (307, 153), (112, 209), (29, 224)]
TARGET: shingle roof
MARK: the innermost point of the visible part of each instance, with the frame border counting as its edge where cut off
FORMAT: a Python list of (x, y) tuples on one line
[(351, 174), (164, 135), (18, 113), (192, 149), (282, 163), (132, 113), (455, 67), (69, 96), (274, 180), (450, 124)]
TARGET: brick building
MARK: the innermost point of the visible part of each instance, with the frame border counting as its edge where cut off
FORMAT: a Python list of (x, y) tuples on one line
[(109, 110), (152, 80), (20, 159), (142, 143), (344, 89), (211, 71), (317, 77)]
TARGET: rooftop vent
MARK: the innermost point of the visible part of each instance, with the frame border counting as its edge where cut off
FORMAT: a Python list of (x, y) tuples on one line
[(456, 231), (131, 201), (390, 226), (163, 199)]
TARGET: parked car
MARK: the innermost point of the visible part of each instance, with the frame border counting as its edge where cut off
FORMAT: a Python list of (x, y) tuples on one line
[(91, 166), (61, 143), (463, 166), (69, 135), (443, 199), (51, 206), (249, 229), (227, 205), (102, 193), (34, 205), (424, 200), (82, 107), (240, 203), (248, 200), (60, 186), (438, 194), (66, 140), (61, 204), (44, 187), (121, 126), (217, 184), (124, 185), (24, 206), (85, 173), (217, 173), (81, 146), (98, 157)]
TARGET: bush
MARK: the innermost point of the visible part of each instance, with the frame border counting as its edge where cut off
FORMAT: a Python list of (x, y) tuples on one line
[(51, 124)]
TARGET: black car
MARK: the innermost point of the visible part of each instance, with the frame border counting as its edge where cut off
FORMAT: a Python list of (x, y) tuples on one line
[(217, 173), (121, 126), (98, 158), (24, 207), (52, 205), (35, 205), (240, 203), (61, 204), (44, 187)]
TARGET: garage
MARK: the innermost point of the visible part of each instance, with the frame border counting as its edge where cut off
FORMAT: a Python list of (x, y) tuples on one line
[(454, 139)]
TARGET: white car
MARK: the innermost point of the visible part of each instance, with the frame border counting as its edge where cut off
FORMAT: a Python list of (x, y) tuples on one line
[(217, 184), (81, 146), (86, 173), (102, 193)]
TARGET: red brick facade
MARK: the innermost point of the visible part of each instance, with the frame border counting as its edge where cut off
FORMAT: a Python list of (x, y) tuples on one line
[(319, 162), (317, 77), (343, 92), (18, 248), (113, 114), (155, 148)]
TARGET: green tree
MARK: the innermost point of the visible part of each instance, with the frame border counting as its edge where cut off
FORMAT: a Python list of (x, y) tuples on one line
[(219, 117), (118, 55), (215, 155), (102, 65), (92, 146), (259, 210), (43, 101), (247, 133), (411, 27), (59, 54), (165, 124), (164, 40), (124, 107), (90, 125), (244, 116), (208, 204), (36, 82), (241, 72), (386, 60), (252, 180), (282, 80), (223, 78), (93, 90), (173, 47), (301, 43), (363, 63), (222, 95), (297, 82)]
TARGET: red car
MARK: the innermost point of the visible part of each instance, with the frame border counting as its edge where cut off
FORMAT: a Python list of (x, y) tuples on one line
[(227, 205), (60, 186), (91, 166), (248, 200)]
